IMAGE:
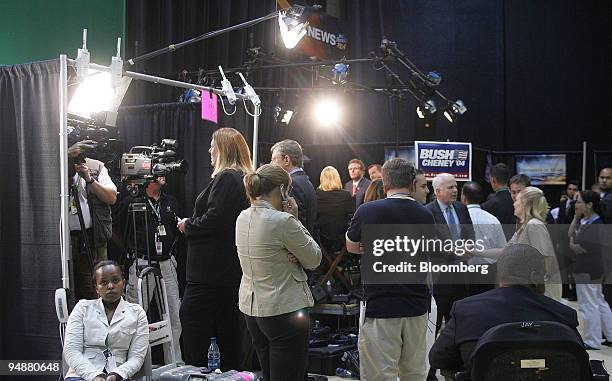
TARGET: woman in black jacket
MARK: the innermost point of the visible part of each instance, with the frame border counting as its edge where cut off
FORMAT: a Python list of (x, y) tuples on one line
[(210, 305), (335, 207)]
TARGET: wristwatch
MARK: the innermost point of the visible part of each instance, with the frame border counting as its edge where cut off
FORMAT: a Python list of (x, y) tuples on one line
[(91, 180)]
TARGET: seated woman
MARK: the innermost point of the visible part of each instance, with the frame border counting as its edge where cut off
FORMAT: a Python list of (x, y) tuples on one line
[(107, 338), (274, 248), (335, 207)]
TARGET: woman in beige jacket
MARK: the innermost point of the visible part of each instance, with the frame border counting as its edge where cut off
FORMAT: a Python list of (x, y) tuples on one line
[(274, 249)]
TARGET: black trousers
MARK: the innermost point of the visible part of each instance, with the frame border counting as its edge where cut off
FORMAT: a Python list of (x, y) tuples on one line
[(281, 343), (210, 312)]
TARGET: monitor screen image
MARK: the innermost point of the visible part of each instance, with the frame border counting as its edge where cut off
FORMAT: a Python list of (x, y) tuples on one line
[(543, 169)]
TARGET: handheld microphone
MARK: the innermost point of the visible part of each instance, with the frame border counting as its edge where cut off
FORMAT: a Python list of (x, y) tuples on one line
[(226, 85), (250, 92)]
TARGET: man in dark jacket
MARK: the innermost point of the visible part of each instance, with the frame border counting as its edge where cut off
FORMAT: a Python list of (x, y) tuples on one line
[(289, 155), (519, 298), (358, 184), (452, 222), (500, 203)]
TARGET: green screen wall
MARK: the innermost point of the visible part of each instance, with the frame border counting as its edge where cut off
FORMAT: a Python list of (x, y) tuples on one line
[(36, 30)]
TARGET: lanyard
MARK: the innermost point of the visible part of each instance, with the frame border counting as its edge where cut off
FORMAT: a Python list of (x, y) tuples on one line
[(157, 210)]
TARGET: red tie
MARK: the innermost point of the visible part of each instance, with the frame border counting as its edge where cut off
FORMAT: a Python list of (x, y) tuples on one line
[(354, 189)]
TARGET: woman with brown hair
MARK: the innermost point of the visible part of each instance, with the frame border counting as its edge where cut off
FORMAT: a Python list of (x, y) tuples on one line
[(274, 248), (335, 207), (210, 305), (375, 191)]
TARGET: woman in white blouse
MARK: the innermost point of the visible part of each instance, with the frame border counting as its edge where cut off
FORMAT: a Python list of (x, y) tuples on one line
[(106, 338)]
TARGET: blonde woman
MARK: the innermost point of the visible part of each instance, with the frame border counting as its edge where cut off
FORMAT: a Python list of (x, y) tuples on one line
[(530, 209), (210, 305), (274, 248), (335, 208)]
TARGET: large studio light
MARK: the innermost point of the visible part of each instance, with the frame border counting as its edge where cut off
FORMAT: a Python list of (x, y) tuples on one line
[(293, 24), (327, 112), (454, 110), (426, 108)]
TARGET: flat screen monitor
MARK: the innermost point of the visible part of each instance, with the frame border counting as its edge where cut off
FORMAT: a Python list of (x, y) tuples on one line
[(545, 169)]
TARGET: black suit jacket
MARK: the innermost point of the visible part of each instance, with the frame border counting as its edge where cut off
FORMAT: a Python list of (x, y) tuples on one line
[(212, 258), (473, 316), (306, 199), (446, 283), (606, 208), (501, 206), (362, 186), (566, 215)]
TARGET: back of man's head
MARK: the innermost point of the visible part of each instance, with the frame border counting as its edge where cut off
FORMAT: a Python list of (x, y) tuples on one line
[(521, 179), (500, 173), (472, 192), (521, 265), (398, 173), (292, 149)]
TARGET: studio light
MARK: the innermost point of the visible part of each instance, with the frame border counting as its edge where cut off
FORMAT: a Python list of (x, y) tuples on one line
[(340, 72), (454, 110), (293, 24), (427, 108), (95, 94), (327, 112)]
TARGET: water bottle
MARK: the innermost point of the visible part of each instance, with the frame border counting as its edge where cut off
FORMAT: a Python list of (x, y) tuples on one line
[(343, 373), (214, 356)]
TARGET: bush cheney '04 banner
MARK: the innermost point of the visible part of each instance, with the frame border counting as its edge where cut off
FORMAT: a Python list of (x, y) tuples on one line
[(434, 158)]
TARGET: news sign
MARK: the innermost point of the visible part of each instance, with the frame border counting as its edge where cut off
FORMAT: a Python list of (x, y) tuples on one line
[(434, 158)]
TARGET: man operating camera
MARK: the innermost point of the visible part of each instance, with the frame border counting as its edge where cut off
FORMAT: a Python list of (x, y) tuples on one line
[(90, 219)]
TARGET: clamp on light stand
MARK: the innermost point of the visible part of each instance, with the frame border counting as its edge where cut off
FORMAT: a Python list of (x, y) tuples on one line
[(83, 59), (228, 90), (250, 93), (116, 67)]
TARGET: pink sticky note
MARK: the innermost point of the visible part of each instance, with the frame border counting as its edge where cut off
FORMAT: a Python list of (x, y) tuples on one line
[(209, 107)]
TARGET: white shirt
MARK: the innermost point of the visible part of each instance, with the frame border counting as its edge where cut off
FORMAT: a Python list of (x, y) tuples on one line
[(488, 229), (73, 218)]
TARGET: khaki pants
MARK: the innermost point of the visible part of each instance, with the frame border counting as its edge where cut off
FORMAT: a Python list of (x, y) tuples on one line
[(392, 348), (83, 272)]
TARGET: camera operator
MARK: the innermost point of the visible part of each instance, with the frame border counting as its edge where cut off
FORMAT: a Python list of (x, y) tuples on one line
[(96, 193), (162, 236)]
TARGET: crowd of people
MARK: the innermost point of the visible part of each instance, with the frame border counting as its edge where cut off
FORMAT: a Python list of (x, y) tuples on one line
[(254, 234)]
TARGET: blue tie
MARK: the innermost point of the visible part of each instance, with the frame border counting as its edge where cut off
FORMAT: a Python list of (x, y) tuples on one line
[(452, 224)]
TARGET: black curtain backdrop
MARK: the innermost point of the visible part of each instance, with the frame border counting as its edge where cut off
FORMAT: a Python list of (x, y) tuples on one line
[(30, 263), (529, 72)]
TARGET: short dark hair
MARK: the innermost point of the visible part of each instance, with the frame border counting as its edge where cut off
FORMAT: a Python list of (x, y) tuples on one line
[(573, 182), (501, 173), (357, 161), (521, 179), (398, 173), (375, 166), (472, 192), (107, 262), (591, 196)]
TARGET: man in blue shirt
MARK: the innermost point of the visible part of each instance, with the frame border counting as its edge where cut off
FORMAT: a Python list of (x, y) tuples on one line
[(392, 338)]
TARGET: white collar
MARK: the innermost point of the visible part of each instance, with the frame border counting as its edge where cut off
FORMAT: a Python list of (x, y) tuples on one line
[(401, 195)]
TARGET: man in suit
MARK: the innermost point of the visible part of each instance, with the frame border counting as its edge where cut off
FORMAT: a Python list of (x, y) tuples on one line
[(519, 298), (452, 222), (289, 155), (358, 184), (500, 204), (566, 204)]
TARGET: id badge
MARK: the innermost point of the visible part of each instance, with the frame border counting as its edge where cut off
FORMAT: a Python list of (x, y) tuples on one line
[(73, 206), (111, 362), (159, 247), (161, 230)]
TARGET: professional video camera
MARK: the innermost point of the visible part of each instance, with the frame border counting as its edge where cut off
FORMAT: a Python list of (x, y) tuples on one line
[(96, 142), (146, 163)]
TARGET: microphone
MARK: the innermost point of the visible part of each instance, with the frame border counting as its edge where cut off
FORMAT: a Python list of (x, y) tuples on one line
[(226, 85), (250, 92)]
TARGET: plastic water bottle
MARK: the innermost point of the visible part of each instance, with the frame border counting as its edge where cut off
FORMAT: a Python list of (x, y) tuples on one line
[(214, 356), (343, 373)]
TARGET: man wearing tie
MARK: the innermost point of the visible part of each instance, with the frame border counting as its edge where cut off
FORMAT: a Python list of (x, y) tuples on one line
[(358, 184), (452, 222)]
